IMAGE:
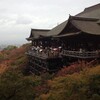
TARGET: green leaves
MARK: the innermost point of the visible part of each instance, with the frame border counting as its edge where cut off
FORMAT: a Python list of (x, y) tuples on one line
[(10, 47), (78, 86), (15, 86)]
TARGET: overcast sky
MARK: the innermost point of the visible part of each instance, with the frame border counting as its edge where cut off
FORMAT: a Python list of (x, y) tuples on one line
[(17, 17)]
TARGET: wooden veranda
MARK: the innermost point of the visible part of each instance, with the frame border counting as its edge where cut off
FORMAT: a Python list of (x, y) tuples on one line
[(82, 55)]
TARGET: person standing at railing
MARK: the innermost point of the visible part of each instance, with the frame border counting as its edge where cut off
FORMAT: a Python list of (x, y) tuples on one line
[(60, 48), (80, 50), (33, 49), (97, 53), (56, 51)]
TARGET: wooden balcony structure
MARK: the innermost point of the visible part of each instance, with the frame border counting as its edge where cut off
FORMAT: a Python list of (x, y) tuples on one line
[(82, 55), (43, 55), (68, 53), (44, 62), (51, 62)]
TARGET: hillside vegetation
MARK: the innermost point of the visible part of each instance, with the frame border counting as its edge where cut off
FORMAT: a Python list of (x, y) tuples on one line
[(13, 57), (78, 86), (80, 81)]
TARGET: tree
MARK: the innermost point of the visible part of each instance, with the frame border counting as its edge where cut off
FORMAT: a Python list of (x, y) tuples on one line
[(15, 86), (10, 47)]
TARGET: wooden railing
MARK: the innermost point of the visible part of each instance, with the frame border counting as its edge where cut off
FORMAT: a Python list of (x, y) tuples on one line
[(48, 54), (43, 55), (78, 54)]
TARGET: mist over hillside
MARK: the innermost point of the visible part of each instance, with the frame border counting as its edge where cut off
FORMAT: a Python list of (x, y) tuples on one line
[(17, 43)]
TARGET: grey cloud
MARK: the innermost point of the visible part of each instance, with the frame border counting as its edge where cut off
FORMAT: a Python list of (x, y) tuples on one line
[(17, 17), (24, 20), (7, 20)]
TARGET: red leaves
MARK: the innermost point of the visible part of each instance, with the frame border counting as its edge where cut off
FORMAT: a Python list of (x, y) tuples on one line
[(75, 67)]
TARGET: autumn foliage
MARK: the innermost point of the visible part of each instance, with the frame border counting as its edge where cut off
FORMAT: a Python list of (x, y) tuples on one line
[(76, 67), (13, 57), (78, 86), (79, 81)]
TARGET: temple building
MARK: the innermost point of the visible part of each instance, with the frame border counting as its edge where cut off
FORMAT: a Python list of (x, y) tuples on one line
[(76, 38)]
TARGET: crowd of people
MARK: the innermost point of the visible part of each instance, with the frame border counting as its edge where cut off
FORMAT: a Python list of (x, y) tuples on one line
[(46, 51), (53, 51)]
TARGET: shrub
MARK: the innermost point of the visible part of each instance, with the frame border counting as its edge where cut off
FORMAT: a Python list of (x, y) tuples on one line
[(15, 86), (78, 86), (10, 47)]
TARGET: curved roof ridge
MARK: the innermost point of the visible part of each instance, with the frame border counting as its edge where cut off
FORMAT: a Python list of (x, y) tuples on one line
[(58, 29), (74, 24), (87, 26), (92, 7), (83, 18), (40, 29), (90, 12)]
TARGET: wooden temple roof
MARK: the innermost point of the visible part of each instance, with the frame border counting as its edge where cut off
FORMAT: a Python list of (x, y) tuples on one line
[(58, 29), (84, 20), (87, 22), (86, 25), (36, 33)]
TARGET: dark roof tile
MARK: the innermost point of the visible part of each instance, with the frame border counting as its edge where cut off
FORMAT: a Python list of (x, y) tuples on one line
[(91, 12), (88, 26), (36, 33)]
